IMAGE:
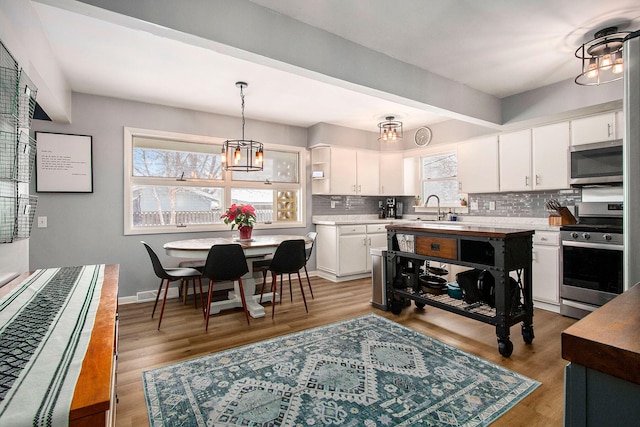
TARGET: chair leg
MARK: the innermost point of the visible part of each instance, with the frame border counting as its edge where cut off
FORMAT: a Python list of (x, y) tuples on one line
[(308, 281), (274, 288), (281, 294), (244, 301), (264, 283), (204, 313), (208, 313), (164, 299), (184, 286), (157, 296), (290, 290), (195, 297), (302, 290)]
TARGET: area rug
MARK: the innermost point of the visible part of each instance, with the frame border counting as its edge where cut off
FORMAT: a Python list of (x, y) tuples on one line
[(368, 371)]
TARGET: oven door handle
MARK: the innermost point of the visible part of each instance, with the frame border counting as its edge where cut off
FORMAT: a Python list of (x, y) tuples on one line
[(594, 246)]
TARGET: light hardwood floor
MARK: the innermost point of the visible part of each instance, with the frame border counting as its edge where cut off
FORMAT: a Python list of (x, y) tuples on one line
[(182, 336)]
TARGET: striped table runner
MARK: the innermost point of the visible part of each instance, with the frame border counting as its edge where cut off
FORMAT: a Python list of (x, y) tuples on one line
[(45, 327)]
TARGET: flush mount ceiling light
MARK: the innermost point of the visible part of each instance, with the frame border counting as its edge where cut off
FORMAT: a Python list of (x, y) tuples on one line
[(241, 154), (390, 130), (601, 58)]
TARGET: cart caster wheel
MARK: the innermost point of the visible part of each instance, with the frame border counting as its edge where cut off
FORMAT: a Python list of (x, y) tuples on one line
[(527, 334), (420, 305), (396, 307), (505, 347)]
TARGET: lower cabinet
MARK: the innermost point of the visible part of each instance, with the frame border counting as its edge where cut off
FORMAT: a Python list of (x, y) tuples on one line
[(343, 251), (546, 270)]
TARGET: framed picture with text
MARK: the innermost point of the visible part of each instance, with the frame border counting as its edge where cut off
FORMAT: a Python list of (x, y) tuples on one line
[(64, 163)]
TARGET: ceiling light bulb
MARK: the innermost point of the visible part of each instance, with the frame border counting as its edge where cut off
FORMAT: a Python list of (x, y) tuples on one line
[(593, 69), (605, 62), (618, 65), (259, 157), (237, 156)]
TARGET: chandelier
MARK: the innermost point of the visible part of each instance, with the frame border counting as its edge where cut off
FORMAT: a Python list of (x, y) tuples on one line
[(601, 57), (241, 154), (390, 130)]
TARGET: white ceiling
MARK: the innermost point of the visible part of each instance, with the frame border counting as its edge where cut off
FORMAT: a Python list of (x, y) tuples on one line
[(499, 47)]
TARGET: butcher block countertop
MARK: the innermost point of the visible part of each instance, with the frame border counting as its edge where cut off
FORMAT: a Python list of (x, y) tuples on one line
[(608, 340), (460, 229)]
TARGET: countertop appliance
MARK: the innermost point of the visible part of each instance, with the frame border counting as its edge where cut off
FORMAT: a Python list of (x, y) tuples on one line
[(597, 163), (394, 208), (592, 258)]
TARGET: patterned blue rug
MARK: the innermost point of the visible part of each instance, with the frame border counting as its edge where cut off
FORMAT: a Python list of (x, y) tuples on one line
[(367, 371)]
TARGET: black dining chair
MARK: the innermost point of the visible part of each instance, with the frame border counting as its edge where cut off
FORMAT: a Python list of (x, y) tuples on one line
[(289, 258), (168, 275), (225, 263)]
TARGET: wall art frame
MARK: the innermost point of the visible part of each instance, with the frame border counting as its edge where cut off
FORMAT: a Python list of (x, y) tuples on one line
[(64, 163)]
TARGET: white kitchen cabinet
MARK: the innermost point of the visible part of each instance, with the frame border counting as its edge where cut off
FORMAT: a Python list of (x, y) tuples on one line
[(535, 159), (391, 174), (344, 171), (546, 270), (594, 129), (367, 172), (515, 161), (550, 156), (478, 165), (343, 251)]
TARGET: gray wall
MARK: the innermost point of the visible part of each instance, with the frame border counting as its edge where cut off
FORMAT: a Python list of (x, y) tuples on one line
[(88, 228)]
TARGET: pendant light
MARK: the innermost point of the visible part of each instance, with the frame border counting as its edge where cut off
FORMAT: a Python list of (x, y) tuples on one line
[(242, 155), (390, 130), (601, 58)]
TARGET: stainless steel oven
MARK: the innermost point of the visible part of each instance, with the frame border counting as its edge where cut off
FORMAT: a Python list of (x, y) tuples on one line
[(592, 259)]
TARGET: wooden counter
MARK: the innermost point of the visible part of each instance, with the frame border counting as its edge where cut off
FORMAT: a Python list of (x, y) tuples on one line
[(460, 229), (608, 340), (94, 398)]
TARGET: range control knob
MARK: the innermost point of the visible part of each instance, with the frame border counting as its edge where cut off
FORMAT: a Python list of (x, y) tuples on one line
[(574, 235), (607, 237), (586, 236)]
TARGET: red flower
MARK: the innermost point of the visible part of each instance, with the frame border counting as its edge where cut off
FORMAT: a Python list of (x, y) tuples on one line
[(240, 215)]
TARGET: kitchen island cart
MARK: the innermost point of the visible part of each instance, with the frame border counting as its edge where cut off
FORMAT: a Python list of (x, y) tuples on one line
[(505, 253)]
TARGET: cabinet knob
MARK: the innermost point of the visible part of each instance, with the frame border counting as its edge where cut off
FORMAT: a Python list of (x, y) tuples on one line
[(537, 179)]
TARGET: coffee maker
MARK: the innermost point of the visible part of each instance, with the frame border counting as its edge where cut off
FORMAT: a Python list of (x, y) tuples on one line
[(394, 208)]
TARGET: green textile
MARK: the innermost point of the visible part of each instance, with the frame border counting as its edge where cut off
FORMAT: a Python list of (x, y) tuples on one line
[(45, 327), (367, 371)]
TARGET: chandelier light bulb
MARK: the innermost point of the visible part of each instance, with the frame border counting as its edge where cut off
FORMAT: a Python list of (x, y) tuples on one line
[(223, 156), (237, 155), (593, 69), (618, 66), (606, 62)]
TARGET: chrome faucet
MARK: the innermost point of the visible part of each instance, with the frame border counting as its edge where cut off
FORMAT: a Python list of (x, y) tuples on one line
[(426, 202)]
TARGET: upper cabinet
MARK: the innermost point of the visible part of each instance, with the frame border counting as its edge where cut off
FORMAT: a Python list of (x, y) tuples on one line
[(391, 174), (535, 159), (595, 129), (550, 156), (478, 165), (344, 171), (515, 161)]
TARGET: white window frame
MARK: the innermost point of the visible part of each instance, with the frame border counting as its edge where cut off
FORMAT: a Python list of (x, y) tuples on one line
[(436, 151), (226, 183)]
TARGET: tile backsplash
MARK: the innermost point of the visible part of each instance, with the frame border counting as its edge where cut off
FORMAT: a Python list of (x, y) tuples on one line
[(529, 204), (521, 204)]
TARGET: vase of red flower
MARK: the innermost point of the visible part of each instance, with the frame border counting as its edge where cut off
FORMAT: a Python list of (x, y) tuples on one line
[(245, 232), (244, 216)]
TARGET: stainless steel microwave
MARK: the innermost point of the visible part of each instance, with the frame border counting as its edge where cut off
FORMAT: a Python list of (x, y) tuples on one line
[(597, 163)]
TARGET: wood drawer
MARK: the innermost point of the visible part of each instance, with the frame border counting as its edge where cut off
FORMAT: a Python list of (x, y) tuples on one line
[(437, 247)]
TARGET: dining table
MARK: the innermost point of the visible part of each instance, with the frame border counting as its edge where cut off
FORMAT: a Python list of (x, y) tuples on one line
[(256, 248)]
